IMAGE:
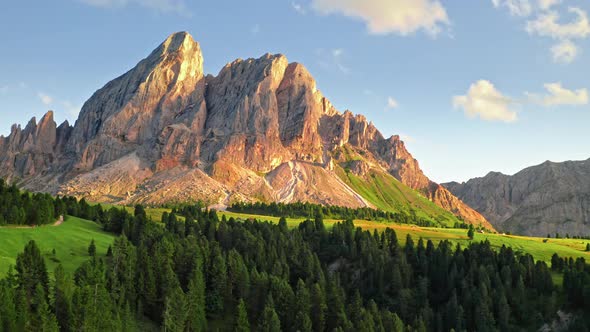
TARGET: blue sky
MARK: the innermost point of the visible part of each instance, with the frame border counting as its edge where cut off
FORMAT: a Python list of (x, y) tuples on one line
[(472, 86)]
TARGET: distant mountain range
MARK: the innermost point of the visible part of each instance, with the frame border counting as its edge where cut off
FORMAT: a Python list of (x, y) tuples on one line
[(258, 131), (545, 199)]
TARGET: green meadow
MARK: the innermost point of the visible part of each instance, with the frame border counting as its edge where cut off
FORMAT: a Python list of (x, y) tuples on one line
[(70, 241)]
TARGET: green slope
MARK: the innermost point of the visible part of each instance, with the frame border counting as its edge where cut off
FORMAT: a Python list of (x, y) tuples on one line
[(70, 241), (388, 194)]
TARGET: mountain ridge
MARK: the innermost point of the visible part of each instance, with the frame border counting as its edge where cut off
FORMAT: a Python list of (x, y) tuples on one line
[(165, 131), (543, 199)]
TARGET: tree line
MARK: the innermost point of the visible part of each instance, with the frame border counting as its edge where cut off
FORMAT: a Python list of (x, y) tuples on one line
[(311, 210)]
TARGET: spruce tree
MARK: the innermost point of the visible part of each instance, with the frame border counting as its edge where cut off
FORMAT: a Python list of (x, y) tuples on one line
[(175, 311), (318, 308), (302, 307), (197, 321), (92, 249), (241, 324), (269, 320), (31, 270), (43, 319), (216, 281)]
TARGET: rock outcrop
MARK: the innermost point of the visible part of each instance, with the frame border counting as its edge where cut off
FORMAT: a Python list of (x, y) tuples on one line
[(545, 199), (165, 131), (32, 151)]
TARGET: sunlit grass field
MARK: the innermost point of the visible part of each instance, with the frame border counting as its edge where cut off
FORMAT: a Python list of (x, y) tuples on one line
[(70, 241)]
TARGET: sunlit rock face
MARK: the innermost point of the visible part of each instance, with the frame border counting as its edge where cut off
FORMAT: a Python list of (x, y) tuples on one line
[(164, 131)]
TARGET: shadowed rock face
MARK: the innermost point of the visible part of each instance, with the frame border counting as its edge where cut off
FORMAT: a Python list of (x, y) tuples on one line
[(164, 131), (539, 200)]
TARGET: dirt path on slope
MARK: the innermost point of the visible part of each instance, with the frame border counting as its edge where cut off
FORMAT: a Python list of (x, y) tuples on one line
[(58, 222)]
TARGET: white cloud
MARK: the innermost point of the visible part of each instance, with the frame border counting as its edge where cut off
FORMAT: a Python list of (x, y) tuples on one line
[(392, 103), (485, 101), (559, 96), (298, 8), (45, 98), (548, 25), (390, 16), (516, 7), (547, 4), (564, 52), (177, 6)]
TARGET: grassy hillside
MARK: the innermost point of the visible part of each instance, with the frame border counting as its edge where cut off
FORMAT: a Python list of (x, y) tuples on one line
[(70, 241), (388, 194), (533, 245)]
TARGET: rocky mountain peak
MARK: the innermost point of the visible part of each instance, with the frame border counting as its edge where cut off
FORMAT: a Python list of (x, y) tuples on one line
[(259, 130)]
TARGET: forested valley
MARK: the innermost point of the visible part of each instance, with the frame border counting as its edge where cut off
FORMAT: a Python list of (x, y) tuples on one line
[(197, 272)]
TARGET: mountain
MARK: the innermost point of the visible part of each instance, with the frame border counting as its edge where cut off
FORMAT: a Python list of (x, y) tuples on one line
[(539, 200), (259, 130)]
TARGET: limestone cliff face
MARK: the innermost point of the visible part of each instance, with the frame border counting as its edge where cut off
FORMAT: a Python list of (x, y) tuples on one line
[(259, 130), (32, 151), (130, 112), (539, 200)]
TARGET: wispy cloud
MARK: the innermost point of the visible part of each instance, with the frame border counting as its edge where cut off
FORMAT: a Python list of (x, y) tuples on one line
[(45, 98), (557, 95), (332, 59), (548, 23), (4, 89), (564, 51), (547, 4), (298, 8), (391, 103), (515, 7), (401, 17), (165, 6)]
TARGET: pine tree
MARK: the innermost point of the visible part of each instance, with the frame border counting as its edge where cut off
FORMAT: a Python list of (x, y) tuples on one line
[(503, 315), (62, 297), (43, 319), (302, 308), (175, 312), (318, 308), (269, 320), (355, 309), (471, 232), (241, 324), (31, 270), (197, 320), (92, 249), (8, 314), (216, 281)]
